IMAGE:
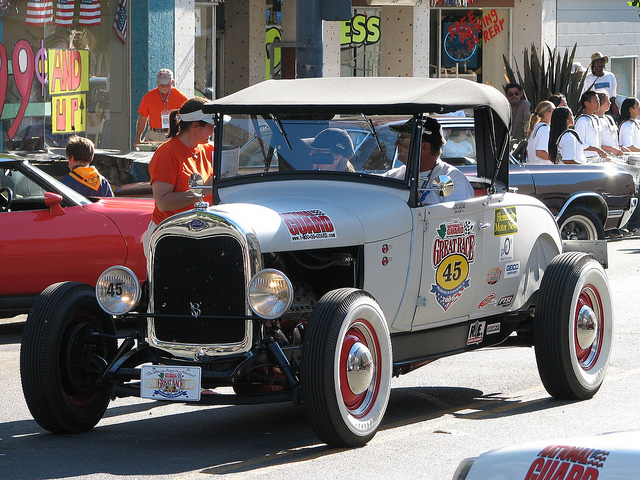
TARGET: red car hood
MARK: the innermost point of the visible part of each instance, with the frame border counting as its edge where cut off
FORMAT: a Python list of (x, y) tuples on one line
[(132, 217)]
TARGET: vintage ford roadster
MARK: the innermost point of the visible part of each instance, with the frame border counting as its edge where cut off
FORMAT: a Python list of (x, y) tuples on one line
[(318, 276)]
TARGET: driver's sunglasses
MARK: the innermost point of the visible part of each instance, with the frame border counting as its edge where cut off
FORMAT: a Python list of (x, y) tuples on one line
[(513, 94)]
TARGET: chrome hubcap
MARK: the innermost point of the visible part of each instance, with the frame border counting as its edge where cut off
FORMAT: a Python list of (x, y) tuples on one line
[(359, 368), (587, 327)]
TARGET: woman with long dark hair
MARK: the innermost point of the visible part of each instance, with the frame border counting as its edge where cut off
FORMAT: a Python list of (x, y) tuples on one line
[(565, 145), (186, 152), (628, 124)]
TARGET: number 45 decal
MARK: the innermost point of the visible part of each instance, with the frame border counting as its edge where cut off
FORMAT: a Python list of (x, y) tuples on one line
[(452, 271)]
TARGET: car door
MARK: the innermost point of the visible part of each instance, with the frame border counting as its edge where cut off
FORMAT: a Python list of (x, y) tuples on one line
[(40, 247), (452, 265)]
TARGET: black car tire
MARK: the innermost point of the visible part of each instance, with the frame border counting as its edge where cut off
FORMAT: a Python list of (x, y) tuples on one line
[(345, 403), (573, 326), (580, 223), (62, 359)]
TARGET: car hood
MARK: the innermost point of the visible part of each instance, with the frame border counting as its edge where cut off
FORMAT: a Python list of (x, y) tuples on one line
[(608, 456), (132, 216), (294, 216)]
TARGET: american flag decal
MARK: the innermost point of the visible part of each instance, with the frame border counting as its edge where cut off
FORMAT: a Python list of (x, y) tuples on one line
[(90, 15), (64, 12), (120, 24), (39, 12)]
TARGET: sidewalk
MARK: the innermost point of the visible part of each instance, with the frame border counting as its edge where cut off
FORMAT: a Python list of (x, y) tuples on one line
[(13, 324)]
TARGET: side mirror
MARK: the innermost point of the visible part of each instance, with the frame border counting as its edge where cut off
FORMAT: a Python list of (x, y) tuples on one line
[(443, 185), (53, 200)]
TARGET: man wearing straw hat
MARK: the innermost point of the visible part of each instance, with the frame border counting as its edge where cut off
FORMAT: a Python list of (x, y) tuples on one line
[(601, 80)]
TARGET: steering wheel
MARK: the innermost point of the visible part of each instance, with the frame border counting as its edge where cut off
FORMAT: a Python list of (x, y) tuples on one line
[(6, 197)]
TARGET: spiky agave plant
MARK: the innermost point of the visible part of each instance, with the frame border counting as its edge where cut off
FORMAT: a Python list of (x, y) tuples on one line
[(540, 78)]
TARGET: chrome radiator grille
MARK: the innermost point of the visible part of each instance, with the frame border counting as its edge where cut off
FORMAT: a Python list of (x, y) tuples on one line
[(195, 277)]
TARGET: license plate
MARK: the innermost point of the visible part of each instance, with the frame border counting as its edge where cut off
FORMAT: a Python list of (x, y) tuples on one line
[(180, 384)]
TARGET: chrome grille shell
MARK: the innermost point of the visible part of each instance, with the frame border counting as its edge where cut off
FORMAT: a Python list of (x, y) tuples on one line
[(199, 264)]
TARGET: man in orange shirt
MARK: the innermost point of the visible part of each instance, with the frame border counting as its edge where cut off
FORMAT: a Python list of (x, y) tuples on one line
[(155, 108)]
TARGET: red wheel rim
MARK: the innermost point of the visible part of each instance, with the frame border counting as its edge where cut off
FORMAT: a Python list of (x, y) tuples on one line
[(362, 332), (589, 298)]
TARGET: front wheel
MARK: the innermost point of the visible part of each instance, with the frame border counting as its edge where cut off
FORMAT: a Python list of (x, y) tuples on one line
[(580, 223), (62, 357), (346, 368), (573, 326)]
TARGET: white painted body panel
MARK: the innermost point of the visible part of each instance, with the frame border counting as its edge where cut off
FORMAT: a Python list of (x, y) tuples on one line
[(408, 253), (611, 456)]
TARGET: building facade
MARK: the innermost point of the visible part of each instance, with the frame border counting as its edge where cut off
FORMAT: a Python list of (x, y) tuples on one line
[(82, 66)]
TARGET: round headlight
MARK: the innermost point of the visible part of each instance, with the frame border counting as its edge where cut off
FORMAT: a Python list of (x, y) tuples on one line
[(118, 290), (270, 293)]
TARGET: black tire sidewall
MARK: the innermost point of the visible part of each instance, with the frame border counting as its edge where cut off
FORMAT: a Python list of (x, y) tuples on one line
[(48, 325), (588, 214), (554, 329)]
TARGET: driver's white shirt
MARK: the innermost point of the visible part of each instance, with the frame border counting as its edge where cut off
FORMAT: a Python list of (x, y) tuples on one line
[(462, 189)]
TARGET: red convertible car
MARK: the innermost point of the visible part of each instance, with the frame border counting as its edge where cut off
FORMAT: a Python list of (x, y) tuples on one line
[(49, 233)]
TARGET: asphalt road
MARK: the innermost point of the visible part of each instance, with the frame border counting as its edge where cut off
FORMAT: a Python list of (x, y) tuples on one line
[(438, 415)]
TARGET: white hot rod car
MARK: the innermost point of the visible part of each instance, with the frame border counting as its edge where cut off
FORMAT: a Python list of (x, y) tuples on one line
[(315, 278)]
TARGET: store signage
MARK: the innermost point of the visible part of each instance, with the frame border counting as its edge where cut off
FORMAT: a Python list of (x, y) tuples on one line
[(470, 28), (68, 84), (452, 3), (361, 29), (63, 74)]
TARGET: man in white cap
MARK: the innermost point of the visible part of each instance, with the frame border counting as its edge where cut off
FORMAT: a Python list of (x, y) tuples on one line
[(601, 80), (155, 107)]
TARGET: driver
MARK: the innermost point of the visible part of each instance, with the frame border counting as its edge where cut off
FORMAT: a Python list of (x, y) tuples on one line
[(431, 166)]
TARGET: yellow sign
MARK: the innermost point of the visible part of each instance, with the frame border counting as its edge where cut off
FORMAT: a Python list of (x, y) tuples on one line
[(506, 221), (453, 270), (69, 113), (68, 71)]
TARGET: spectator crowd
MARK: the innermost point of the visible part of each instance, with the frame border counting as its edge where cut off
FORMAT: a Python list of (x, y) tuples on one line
[(604, 127)]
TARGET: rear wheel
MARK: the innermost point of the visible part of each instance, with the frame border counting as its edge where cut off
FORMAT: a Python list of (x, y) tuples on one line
[(346, 368), (63, 356), (573, 326), (581, 223)]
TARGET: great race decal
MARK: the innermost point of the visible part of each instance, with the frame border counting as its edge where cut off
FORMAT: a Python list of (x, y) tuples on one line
[(308, 225), (567, 463), (453, 251)]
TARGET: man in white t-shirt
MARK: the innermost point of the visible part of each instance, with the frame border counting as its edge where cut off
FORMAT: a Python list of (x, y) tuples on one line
[(601, 80), (588, 126)]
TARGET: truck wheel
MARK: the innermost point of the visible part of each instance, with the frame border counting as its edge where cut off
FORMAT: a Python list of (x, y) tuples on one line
[(580, 223), (346, 368), (62, 358), (573, 326)]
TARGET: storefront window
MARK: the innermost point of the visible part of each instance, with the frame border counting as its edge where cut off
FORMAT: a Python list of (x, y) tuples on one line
[(469, 43), (63, 71), (208, 27)]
